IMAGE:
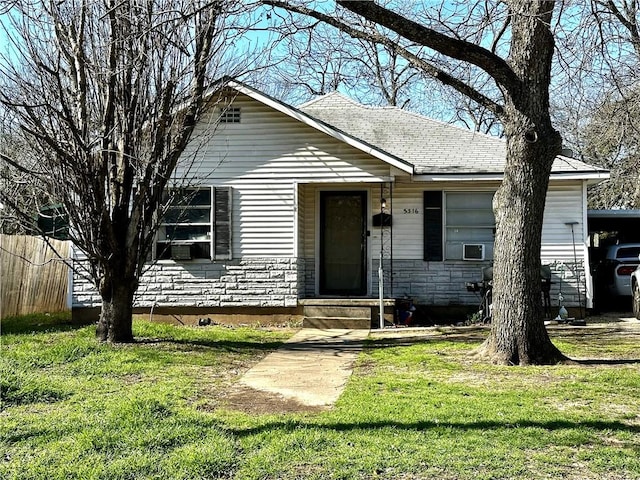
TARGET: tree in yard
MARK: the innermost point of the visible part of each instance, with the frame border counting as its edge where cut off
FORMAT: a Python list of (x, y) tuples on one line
[(107, 93), (513, 53), (612, 139), (610, 131)]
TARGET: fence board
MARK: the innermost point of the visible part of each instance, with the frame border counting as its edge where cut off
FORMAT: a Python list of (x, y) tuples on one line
[(33, 279)]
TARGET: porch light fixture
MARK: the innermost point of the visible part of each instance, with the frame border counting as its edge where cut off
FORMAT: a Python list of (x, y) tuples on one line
[(383, 203)]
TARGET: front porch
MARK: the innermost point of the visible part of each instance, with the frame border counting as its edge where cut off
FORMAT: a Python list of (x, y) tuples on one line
[(351, 313)]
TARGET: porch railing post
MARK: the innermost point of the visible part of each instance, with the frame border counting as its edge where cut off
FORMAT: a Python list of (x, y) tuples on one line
[(380, 269), (381, 290)]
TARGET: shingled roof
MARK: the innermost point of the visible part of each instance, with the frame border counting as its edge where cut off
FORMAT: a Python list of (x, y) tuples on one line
[(432, 147)]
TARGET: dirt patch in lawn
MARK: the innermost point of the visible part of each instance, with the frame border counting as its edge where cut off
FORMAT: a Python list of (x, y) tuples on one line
[(249, 400), (219, 390), (233, 395)]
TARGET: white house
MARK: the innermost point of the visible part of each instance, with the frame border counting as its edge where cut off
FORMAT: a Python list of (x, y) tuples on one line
[(287, 212)]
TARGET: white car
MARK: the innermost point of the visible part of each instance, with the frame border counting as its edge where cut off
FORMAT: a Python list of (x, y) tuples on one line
[(614, 272), (635, 288)]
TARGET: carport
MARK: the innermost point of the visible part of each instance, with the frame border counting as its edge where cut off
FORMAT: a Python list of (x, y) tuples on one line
[(623, 226), (610, 227)]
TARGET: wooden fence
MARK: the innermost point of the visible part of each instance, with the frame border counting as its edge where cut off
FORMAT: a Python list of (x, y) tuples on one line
[(33, 279)]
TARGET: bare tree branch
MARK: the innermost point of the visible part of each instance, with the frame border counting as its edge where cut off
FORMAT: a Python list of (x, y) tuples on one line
[(393, 46), (449, 46)]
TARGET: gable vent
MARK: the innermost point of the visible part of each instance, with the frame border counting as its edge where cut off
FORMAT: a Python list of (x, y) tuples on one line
[(230, 115)]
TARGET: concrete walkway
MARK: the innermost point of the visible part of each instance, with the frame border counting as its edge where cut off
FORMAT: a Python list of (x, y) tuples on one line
[(311, 368)]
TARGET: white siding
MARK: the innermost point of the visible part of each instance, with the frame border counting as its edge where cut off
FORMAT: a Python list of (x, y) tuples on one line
[(564, 205), (407, 224), (261, 158)]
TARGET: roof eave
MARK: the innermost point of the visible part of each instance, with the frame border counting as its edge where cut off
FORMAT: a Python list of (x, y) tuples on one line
[(458, 177), (592, 177)]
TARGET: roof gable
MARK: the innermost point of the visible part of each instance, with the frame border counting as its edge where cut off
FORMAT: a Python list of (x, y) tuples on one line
[(320, 125)]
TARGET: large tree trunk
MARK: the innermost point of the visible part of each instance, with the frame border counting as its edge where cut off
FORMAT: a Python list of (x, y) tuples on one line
[(518, 335), (116, 318)]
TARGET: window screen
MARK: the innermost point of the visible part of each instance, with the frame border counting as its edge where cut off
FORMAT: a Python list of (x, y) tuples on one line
[(468, 220)]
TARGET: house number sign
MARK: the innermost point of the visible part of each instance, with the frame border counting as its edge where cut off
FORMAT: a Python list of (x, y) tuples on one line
[(410, 211)]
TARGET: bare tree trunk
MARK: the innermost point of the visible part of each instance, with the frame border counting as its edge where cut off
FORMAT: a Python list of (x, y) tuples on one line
[(518, 335), (115, 323), (115, 319)]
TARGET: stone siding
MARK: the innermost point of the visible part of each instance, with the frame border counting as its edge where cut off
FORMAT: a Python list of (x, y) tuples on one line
[(444, 283), (432, 283), (278, 282), (254, 282), (570, 278)]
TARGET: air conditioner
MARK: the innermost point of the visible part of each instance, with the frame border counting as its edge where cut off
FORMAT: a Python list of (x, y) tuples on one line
[(473, 251), (181, 252)]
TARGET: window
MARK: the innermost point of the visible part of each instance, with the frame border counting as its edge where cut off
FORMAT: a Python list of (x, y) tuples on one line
[(53, 222), (197, 224), (458, 225), (468, 221), (230, 115)]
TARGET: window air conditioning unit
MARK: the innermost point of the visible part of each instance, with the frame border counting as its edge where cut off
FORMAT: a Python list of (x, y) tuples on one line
[(181, 252), (473, 251)]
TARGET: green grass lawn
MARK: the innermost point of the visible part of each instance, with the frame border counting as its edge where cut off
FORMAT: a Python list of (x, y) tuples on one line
[(416, 407)]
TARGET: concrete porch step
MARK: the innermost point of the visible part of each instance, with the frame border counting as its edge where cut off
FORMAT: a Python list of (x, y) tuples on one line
[(337, 316), (337, 311), (341, 313), (337, 322)]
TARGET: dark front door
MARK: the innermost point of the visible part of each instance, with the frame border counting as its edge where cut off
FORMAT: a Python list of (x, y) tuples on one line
[(343, 243)]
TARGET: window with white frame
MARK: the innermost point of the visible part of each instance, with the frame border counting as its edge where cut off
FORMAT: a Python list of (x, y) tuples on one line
[(458, 225), (469, 226), (197, 224)]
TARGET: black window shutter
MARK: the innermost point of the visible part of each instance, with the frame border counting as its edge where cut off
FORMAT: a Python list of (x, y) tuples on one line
[(222, 223), (433, 226)]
